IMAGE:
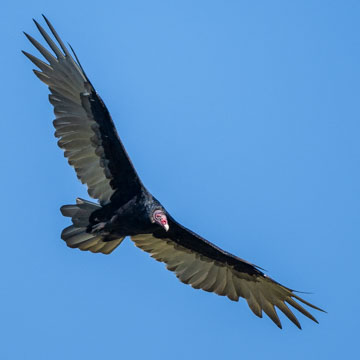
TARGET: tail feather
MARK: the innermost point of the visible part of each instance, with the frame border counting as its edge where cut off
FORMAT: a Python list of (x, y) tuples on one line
[(77, 236)]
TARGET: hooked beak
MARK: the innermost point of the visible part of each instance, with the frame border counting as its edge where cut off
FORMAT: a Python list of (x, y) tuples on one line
[(166, 227)]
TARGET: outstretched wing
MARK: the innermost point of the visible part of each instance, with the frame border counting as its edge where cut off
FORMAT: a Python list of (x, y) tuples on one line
[(202, 265), (83, 124)]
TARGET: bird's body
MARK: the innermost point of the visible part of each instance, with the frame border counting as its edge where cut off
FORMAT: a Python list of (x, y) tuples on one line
[(90, 142), (131, 218)]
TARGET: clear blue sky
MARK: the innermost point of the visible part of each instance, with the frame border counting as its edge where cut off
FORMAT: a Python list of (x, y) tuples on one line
[(242, 118)]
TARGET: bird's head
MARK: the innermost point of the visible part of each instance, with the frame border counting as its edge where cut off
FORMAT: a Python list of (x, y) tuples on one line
[(158, 216)]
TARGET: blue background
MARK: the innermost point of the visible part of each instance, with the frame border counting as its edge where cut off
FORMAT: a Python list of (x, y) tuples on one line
[(242, 117)]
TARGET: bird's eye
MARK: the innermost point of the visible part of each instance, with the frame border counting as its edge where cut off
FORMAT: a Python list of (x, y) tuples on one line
[(158, 215)]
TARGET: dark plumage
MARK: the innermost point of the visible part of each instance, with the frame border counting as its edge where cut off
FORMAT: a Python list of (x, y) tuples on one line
[(91, 144)]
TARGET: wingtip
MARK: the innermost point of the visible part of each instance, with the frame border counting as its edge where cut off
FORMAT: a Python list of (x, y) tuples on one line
[(29, 37), (322, 310), (296, 322), (46, 20), (36, 23), (306, 302)]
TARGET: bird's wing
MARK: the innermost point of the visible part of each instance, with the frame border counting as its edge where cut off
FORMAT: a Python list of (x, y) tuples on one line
[(83, 124), (203, 265)]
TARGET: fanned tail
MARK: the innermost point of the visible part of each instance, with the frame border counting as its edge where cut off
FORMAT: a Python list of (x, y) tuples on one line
[(79, 236)]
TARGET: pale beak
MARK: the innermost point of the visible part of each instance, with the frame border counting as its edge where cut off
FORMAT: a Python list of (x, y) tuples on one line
[(166, 227)]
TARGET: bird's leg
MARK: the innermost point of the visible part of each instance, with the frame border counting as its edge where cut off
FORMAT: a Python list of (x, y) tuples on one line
[(98, 227)]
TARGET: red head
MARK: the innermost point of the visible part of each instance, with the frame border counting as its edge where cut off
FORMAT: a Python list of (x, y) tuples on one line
[(160, 218)]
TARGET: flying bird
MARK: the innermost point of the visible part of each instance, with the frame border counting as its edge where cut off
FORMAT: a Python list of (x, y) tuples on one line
[(87, 134)]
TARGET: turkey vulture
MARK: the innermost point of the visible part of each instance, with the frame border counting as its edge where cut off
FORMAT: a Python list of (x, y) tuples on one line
[(125, 207)]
